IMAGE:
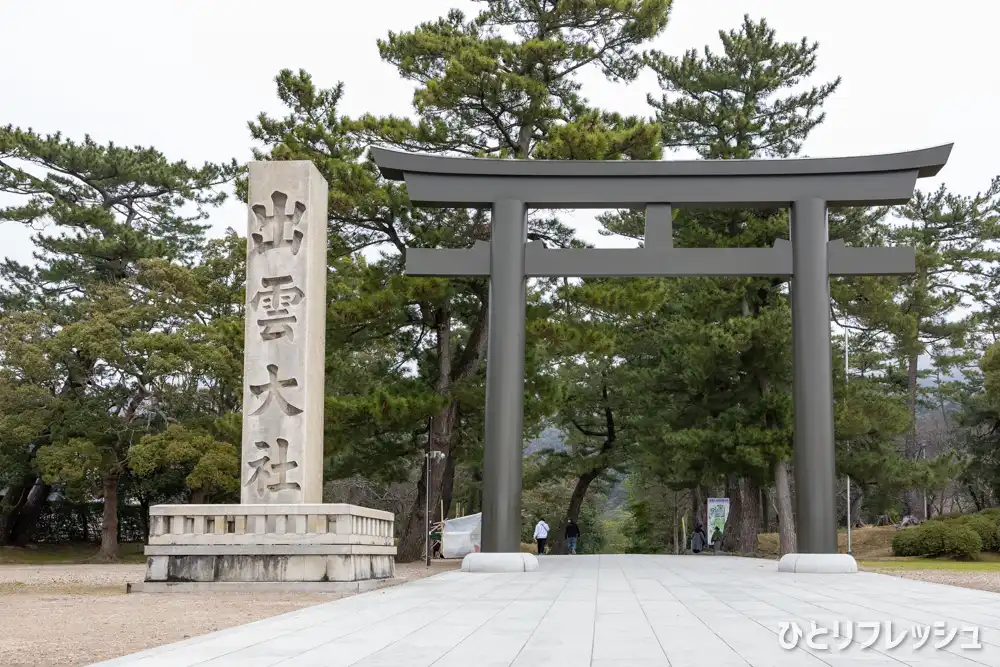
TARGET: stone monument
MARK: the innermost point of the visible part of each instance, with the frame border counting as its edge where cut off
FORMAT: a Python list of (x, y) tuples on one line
[(281, 535), (807, 187)]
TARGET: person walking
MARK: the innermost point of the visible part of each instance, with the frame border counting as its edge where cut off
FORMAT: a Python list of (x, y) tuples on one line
[(572, 535), (698, 539), (541, 535)]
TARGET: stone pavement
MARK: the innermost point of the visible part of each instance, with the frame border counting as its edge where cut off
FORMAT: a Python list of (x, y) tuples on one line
[(617, 611)]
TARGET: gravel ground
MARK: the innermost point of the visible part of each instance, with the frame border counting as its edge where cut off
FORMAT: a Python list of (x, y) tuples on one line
[(986, 581), (90, 618)]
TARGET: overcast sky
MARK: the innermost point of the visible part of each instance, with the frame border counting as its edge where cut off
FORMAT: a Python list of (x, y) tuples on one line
[(185, 76)]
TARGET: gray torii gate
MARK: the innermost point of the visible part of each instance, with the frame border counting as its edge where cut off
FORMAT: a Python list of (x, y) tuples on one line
[(807, 186)]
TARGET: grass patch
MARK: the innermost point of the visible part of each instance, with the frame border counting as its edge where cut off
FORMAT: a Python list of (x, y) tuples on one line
[(67, 554), (984, 563)]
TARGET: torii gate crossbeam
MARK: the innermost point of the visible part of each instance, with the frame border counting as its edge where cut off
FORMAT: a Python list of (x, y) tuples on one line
[(806, 186)]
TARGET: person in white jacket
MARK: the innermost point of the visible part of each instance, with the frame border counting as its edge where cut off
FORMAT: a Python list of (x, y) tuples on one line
[(541, 535)]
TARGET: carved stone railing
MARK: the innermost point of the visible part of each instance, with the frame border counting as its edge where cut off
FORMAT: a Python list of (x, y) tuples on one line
[(269, 544), (269, 524)]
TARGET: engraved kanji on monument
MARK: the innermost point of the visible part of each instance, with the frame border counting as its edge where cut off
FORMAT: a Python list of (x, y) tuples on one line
[(282, 459)]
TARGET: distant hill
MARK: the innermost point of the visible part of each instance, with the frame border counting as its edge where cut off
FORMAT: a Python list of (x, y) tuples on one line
[(551, 439)]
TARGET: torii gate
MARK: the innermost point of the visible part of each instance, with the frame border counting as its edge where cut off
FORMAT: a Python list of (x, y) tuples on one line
[(807, 186)]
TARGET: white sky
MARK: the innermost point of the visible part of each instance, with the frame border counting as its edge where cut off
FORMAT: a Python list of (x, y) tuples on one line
[(185, 76)]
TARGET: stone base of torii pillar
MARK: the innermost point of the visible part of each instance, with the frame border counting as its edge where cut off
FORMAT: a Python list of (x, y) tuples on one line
[(281, 535), (818, 564), (499, 562)]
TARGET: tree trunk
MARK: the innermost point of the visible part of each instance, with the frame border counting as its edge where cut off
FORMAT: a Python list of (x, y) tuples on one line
[(448, 482), (975, 498), (858, 493), (144, 517), (411, 538), (557, 538), (27, 519), (763, 511), (451, 369), (744, 517), (109, 521), (912, 500), (749, 493), (913, 503), (697, 509), (83, 512), (476, 493), (119, 514), (673, 525), (786, 516), (10, 510)]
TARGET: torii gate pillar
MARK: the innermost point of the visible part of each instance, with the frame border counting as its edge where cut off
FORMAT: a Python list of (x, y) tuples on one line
[(812, 379), (502, 460)]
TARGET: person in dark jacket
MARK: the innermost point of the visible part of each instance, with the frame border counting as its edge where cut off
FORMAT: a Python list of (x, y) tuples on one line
[(698, 539), (572, 535)]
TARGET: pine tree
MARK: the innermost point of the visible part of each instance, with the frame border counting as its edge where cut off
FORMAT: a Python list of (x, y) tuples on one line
[(194, 454), (953, 237), (870, 402), (979, 419), (95, 321)]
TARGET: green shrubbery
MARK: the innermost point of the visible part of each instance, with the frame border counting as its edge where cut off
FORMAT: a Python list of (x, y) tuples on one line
[(937, 538), (961, 536), (904, 543), (985, 527), (992, 513)]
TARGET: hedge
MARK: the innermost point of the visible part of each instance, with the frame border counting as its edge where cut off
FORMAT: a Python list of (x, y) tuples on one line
[(991, 513), (985, 527), (939, 538), (64, 521)]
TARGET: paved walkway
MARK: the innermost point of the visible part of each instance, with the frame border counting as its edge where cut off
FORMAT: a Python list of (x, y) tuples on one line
[(617, 611)]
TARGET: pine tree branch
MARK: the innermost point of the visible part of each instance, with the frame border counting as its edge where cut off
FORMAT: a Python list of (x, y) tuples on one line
[(475, 347)]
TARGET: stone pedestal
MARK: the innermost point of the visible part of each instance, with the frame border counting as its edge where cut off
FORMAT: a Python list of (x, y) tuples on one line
[(269, 544), (818, 564), (499, 562)]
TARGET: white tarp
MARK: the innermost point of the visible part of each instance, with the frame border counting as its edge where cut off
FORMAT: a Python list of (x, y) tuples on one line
[(461, 536)]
